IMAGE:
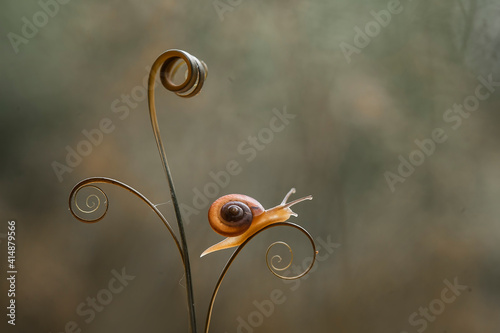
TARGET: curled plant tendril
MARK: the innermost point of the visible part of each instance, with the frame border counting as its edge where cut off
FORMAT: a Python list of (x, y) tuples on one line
[(270, 263), (92, 202), (240, 247), (168, 63), (87, 183), (273, 268), (194, 78)]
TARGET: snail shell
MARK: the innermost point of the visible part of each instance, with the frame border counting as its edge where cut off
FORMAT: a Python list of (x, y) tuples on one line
[(232, 214)]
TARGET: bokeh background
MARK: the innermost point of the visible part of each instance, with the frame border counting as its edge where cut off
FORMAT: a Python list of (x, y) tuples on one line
[(354, 118)]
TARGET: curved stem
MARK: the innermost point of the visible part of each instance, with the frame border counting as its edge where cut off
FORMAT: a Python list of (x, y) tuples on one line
[(159, 62), (104, 180), (237, 251)]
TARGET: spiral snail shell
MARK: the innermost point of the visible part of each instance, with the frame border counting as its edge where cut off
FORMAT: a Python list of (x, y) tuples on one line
[(238, 217), (232, 214)]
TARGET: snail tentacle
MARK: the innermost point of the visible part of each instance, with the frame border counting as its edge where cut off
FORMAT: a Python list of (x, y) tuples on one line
[(292, 191)]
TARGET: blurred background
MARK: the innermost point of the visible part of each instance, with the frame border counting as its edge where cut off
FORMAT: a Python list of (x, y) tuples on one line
[(361, 82)]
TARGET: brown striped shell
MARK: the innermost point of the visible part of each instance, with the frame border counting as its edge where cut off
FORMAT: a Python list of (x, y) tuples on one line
[(232, 214)]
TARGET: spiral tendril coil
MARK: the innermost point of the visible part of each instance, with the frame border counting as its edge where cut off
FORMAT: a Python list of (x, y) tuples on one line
[(270, 263), (92, 204), (271, 266), (195, 77), (168, 64)]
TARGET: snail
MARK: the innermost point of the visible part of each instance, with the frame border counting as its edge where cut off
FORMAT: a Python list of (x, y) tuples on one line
[(238, 217)]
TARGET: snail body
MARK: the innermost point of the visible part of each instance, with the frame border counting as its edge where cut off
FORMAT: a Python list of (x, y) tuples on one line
[(238, 217)]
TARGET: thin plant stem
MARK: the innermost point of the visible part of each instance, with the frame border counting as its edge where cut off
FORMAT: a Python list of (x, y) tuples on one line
[(271, 268), (154, 122)]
